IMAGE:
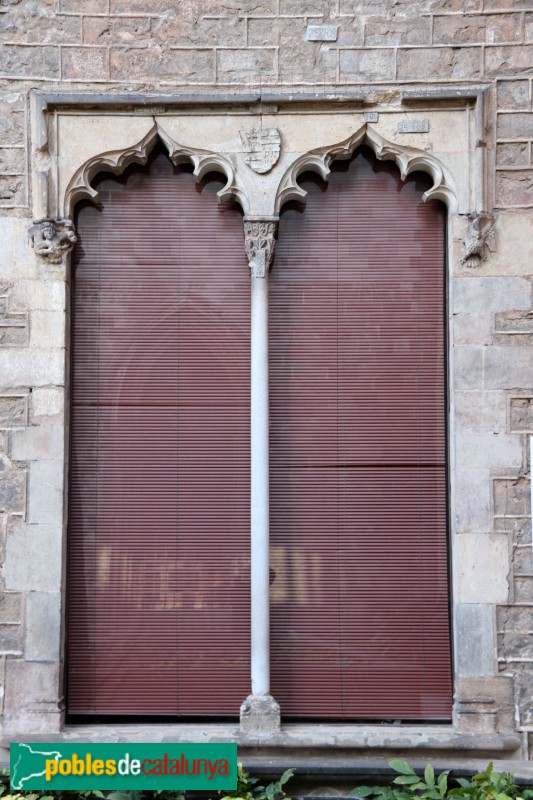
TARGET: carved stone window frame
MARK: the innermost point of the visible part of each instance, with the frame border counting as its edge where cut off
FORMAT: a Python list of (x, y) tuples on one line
[(60, 178)]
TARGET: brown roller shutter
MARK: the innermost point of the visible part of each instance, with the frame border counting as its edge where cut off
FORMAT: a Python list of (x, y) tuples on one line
[(158, 616), (359, 603)]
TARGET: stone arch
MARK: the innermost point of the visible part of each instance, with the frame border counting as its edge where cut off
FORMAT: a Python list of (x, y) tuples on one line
[(116, 161), (408, 159)]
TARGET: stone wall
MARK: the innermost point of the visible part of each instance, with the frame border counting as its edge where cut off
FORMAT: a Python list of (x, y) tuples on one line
[(221, 47)]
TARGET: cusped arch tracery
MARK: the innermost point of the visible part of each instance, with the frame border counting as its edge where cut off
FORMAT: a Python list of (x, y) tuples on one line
[(408, 159), (116, 161)]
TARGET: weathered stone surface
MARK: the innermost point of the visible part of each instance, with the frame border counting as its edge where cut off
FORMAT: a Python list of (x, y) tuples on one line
[(514, 322), (508, 60), (31, 701), (515, 126), (44, 443), (306, 61), (390, 32), (43, 626), (33, 558), (46, 491), (180, 66), (512, 5), (523, 560), (37, 366), (29, 62), (529, 28), (523, 589), (491, 450), (481, 412), (49, 295), (10, 638), (11, 124), (483, 565), (483, 295), (480, 691), (260, 715), (305, 7), (12, 489), (173, 29), (504, 369), (440, 63), (474, 639), (511, 497), (12, 159), (246, 66), (358, 66), (12, 190), (518, 528), (474, 329), (522, 414), (514, 188), (10, 606), (47, 403), (517, 619), (263, 32), (515, 646), (37, 23), (493, 28), (472, 503), (48, 329), (84, 6), (84, 63), (468, 367), (524, 683), (512, 154), (12, 411), (513, 95), (116, 30)]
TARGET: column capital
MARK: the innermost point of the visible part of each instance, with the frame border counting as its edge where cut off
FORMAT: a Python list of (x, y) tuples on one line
[(259, 243)]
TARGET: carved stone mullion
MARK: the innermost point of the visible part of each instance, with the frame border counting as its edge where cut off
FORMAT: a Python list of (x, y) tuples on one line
[(51, 239), (259, 243)]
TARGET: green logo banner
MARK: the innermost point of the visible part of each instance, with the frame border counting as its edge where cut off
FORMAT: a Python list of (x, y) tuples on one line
[(123, 766)]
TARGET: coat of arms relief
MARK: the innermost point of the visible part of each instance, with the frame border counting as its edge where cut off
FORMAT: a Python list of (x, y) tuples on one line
[(263, 147)]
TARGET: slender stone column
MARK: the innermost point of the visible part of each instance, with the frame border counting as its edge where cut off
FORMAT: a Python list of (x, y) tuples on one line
[(260, 712)]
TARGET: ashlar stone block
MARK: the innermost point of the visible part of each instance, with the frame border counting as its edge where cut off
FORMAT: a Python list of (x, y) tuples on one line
[(43, 626), (474, 639), (33, 558), (482, 564)]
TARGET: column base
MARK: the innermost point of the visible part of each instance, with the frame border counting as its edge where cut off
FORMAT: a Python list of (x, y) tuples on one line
[(260, 714)]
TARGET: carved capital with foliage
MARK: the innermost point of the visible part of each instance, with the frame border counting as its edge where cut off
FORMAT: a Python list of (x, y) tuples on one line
[(259, 242)]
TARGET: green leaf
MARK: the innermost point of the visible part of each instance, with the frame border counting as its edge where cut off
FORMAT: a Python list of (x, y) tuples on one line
[(442, 782), (405, 780), (401, 766), (429, 775), (362, 791)]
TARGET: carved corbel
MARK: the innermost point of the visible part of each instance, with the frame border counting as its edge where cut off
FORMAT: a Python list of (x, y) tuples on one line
[(259, 243), (480, 238), (52, 238)]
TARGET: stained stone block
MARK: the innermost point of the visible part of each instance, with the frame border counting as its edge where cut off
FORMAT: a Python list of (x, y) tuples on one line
[(12, 411), (43, 626), (472, 501), (511, 497), (33, 558), (44, 443), (10, 607), (480, 412), (482, 563), (522, 414), (46, 491), (474, 639), (32, 697), (484, 295), (495, 450), (10, 638)]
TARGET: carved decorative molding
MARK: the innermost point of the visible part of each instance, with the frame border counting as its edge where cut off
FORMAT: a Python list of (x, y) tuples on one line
[(117, 161), (408, 159), (259, 243), (51, 239), (480, 238), (263, 146)]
